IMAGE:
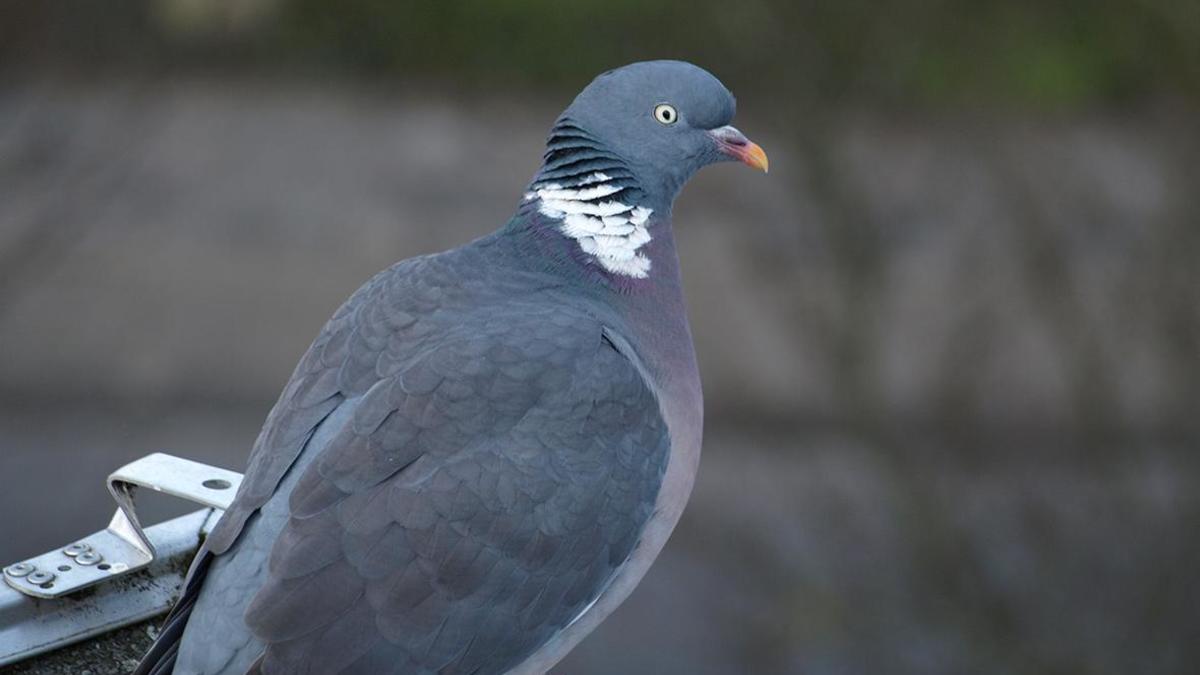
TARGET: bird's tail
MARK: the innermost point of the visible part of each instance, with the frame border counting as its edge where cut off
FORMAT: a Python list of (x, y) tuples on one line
[(160, 660)]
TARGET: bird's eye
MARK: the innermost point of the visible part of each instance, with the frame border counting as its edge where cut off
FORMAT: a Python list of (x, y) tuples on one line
[(665, 113)]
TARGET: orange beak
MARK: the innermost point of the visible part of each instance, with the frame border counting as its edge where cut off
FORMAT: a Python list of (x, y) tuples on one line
[(734, 144)]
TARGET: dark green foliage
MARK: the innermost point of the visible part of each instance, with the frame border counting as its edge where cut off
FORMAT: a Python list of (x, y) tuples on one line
[(907, 52)]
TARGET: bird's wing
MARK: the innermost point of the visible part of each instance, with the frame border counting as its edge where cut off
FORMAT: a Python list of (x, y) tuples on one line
[(477, 501), (341, 363), (498, 467), (393, 310)]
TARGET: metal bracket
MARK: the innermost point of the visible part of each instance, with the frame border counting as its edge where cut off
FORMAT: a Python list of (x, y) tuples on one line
[(123, 547)]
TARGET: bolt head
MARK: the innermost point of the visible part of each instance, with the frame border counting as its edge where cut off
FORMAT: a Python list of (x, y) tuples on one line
[(19, 569), (88, 558), (40, 577), (77, 548)]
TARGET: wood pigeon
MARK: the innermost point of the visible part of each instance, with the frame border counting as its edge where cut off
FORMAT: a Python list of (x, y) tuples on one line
[(484, 449)]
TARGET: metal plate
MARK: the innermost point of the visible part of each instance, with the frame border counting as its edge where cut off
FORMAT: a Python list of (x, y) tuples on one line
[(31, 626), (45, 605), (183, 478), (122, 547)]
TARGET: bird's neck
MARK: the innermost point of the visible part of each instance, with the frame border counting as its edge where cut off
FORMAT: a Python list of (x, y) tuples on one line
[(595, 202), (628, 248), (609, 226), (651, 307)]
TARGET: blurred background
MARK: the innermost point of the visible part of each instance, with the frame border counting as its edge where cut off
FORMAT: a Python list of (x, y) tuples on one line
[(950, 344)]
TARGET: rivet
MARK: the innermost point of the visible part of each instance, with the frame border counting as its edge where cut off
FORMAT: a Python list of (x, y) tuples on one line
[(77, 548), (88, 558), (40, 578), (19, 569)]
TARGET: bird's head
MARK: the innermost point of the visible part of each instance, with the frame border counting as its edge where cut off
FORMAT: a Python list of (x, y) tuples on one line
[(619, 154), (664, 119)]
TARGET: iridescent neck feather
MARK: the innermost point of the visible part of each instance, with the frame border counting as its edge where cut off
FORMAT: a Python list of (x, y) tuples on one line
[(595, 198)]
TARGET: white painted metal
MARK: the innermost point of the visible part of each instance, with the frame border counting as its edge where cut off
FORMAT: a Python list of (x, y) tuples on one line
[(31, 626), (122, 547), (131, 574), (179, 477)]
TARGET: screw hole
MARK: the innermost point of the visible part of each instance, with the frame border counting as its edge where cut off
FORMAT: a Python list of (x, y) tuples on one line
[(103, 566), (48, 584), (64, 568), (216, 484)]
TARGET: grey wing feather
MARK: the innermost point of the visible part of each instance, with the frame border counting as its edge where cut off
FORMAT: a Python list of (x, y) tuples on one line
[(389, 314), (481, 496), (342, 362)]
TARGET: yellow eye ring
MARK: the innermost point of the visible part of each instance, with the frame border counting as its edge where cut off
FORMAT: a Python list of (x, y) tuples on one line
[(665, 113)]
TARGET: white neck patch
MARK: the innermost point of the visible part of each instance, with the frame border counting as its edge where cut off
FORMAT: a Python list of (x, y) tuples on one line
[(609, 231)]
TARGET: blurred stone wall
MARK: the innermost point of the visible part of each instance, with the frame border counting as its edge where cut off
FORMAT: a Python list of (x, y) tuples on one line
[(186, 241), (951, 362)]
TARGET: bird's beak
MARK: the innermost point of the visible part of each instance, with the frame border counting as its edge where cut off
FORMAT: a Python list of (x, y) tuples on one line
[(734, 144)]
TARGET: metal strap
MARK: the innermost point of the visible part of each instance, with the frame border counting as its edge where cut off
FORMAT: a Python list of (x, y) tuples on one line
[(123, 546)]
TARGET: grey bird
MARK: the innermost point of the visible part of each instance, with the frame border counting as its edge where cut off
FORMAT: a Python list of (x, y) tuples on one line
[(484, 449)]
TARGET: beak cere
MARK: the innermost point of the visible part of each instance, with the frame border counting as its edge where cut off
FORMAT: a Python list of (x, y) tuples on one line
[(734, 144)]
